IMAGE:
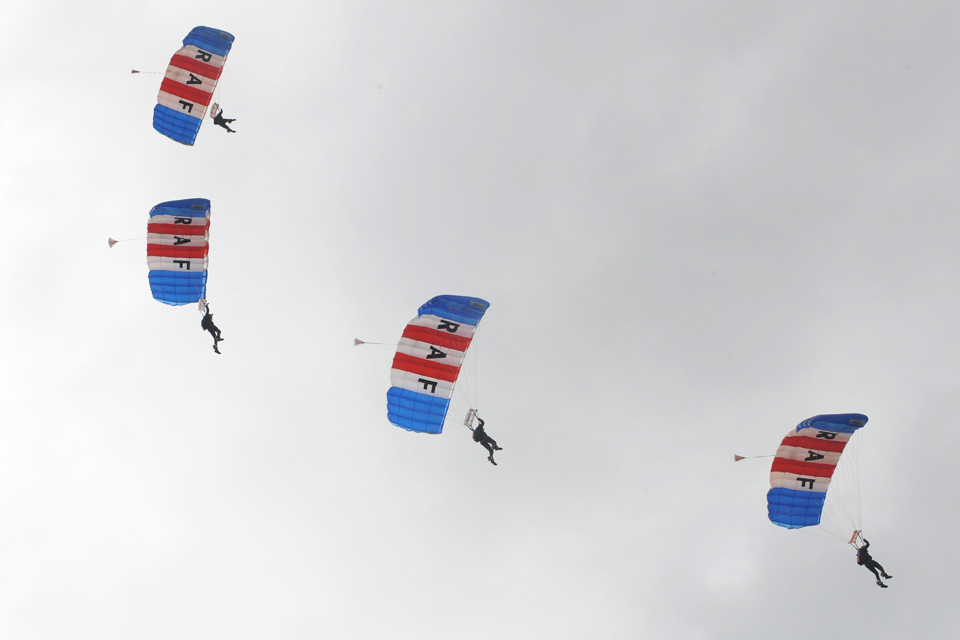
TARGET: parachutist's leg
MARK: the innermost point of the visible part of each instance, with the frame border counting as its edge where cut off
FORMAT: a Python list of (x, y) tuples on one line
[(882, 572), (873, 570), (487, 446), (494, 443)]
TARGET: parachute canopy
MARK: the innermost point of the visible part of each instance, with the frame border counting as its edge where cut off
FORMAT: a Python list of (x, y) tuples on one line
[(428, 359), (188, 85), (178, 240), (804, 466)]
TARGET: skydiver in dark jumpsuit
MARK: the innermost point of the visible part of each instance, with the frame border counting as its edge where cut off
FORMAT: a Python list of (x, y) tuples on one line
[(864, 558), (220, 120), (207, 325), (479, 435)]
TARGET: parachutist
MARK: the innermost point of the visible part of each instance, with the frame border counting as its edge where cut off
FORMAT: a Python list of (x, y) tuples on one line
[(864, 559), (480, 435), (221, 121), (207, 325)]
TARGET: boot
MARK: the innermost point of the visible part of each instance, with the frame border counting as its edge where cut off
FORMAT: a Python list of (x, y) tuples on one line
[(880, 584), (885, 575), (492, 461)]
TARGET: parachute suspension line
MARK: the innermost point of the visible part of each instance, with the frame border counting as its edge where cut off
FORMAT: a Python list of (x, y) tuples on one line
[(476, 379), (473, 384), (819, 532), (859, 514), (841, 511), (462, 395), (217, 93), (460, 399), (852, 482), (465, 394)]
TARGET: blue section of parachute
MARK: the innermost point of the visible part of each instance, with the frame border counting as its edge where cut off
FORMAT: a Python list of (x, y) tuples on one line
[(414, 411), (209, 39), (457, 308), (795, 509), (837, 422), (178, 288), (188, 208), (176, 125)]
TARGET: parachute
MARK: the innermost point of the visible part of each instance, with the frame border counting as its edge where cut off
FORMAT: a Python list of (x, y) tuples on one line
[(427, 363), (806, 465), (189, 82), (178, 240)]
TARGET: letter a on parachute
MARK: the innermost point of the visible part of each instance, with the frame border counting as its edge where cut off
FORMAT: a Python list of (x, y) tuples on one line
[(428, 359), (188, 84), (804, 465), (178, 241)]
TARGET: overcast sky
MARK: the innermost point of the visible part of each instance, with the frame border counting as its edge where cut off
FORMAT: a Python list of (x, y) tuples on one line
[(697, 224)]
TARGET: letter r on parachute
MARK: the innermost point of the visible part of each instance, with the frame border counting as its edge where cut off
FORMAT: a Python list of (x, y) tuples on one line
[(448, 326)]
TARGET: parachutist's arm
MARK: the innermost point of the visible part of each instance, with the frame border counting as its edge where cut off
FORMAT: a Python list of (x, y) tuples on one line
[(480, 420), (866, 544)]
